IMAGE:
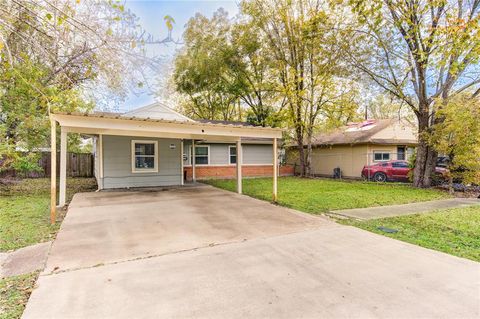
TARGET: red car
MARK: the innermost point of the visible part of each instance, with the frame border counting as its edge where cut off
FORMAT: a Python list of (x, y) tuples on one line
[(392, 171)]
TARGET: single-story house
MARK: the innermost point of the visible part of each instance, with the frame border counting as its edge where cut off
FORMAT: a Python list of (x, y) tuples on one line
[(357, 144), (156, 146)]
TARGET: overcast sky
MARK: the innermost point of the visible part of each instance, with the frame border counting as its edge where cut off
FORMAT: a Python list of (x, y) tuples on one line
[(151, 14)]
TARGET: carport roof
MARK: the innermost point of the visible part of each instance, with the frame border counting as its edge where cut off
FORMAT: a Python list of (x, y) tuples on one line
[(117, 124)]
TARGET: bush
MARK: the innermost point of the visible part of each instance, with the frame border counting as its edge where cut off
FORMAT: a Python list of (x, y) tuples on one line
[(26, 163)]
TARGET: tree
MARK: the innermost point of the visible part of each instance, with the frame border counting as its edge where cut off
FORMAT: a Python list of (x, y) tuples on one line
[(200, 69), (25, 102), (303, 40), (380, 105), (421, 52), (342, 108), (51, 54), (85, 43), (458, 137), (250, 64)]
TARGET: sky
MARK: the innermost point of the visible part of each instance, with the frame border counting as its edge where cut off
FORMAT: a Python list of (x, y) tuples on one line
[(151, 14)]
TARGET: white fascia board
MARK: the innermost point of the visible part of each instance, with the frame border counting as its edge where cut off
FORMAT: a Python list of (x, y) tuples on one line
[(134, 127)]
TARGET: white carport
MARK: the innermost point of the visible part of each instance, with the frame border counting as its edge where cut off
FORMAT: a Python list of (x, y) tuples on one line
[(104, 124)]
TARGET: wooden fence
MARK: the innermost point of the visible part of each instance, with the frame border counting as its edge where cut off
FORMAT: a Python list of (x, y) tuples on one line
[(78, 165)]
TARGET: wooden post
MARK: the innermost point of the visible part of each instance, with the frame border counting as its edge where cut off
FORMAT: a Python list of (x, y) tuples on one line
[(63, 169), (181, 163), (275, 169), (239, 166), (53, 173), (194, 177)]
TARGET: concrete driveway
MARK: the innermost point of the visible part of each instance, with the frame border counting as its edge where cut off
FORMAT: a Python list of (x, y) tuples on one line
[(200, 252)]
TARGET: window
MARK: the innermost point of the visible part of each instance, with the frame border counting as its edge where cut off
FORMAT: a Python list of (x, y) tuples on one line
[(144, 156), (201, 155), (381, 156), (400, 164), (232, 155)]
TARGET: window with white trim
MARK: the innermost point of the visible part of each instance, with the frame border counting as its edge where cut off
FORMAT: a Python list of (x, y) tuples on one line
[(201, 155), (144, 156), (381, 156), (232, 154)]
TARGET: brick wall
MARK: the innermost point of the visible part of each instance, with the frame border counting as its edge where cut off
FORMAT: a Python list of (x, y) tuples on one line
[(229, 171)]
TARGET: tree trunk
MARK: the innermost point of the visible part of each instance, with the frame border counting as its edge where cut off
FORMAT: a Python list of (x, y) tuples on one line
[(451, 191), (301, 150), (426, 155), (301, 156), (430, 167), (308, 156), (308, 162)]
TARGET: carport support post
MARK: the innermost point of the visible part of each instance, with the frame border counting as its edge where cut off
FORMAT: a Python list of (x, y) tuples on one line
[(239, 166), (181, 163), (194, 178), (53, 171), (100, 161), (63, 168), (275, 169)]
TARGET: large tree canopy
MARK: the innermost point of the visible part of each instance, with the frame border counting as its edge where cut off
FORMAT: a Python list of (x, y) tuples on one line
[(458, 137), (421, 52), (278, 60), (54, 54), (200, 70)]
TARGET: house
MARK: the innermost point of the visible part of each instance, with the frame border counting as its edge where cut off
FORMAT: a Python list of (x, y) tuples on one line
[(213, 158), (156, 146), (357, 144)]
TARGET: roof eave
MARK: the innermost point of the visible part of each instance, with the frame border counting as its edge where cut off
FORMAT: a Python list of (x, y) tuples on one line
[(118, 125)]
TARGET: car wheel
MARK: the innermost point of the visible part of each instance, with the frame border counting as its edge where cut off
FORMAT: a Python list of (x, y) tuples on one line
[(380, 177)]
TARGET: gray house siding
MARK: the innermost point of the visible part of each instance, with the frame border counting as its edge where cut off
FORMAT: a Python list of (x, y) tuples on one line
[(253, 154), (117, 163), (257, 154), (219, 154)]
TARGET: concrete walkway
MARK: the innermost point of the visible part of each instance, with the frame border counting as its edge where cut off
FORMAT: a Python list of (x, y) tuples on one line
[(208, 253), (405, 209), (24, 260)]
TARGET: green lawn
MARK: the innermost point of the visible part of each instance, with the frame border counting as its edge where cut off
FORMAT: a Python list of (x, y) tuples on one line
[(14, 294), (454, 231), (322, 195), (25, 213), (24, 221)]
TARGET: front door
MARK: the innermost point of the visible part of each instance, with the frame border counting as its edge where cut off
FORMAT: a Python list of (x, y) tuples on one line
[(401, 153)]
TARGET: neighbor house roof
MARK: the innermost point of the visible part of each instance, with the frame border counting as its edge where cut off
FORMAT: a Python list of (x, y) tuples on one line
[(386, 131)]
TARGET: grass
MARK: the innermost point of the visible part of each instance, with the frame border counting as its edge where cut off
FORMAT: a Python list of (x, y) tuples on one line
[(24, 221), (14, 294), (454, 231), (322, 195), (25, 214)]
